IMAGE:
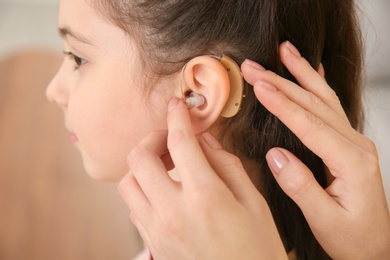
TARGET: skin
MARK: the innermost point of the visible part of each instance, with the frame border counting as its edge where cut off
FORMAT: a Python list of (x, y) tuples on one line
[(108, 114), (350, 218), (101, 93), (185, 222)]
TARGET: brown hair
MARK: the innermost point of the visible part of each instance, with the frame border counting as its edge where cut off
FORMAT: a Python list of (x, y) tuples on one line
[(169, 33)]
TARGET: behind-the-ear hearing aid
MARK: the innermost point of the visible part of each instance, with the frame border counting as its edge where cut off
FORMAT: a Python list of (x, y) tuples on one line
[(236, 80), (233, 104)]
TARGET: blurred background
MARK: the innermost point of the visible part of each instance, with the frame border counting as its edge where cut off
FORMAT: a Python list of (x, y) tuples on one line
[(49, 208)]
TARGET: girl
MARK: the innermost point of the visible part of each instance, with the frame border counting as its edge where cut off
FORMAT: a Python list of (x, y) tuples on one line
[(127, 59)]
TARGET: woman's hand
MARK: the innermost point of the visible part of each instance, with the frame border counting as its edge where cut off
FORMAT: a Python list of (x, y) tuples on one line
[(214, 212), (350, 219)]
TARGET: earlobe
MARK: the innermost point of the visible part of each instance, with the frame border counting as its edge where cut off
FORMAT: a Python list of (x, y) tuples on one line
[(207, 77)]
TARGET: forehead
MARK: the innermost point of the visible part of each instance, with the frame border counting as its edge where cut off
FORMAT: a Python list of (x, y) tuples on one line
[(81, 17), (78, 9)]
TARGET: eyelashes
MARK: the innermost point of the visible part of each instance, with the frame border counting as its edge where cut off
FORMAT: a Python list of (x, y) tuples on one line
[(76, 59)]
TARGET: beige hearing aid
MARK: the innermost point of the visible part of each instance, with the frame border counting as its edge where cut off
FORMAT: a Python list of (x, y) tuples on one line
[(233, 104)]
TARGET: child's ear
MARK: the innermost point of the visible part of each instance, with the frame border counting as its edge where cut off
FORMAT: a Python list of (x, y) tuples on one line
[(207, 77)]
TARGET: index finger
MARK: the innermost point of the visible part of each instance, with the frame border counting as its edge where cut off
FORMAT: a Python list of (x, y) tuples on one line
[(308, 78), (188, 157)]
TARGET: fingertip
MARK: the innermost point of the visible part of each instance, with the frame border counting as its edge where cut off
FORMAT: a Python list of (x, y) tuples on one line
[(123, 186), (277, 160), (295, 179), (252, 71), (293, 50), (172, 104), (178, 116), (252, 64), (289, 53)]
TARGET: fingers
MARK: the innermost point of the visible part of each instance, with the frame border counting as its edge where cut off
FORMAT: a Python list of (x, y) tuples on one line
[(230, 169), (321, 70), (308, 100), (149, 170), (299, 184), (186, 153), (320, 102), (297, 181), (136, 200), (309, 78), (318, 136), (213, 164), (141, 229), (132, 194)]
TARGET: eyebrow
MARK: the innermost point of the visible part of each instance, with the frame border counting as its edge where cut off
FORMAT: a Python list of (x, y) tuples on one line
[(66, 31)]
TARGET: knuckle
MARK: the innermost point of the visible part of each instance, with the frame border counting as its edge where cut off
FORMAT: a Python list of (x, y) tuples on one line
[(314, 120), (315, 124), (123, 186), (177, 137), (136, 155), (297, 186), (370, 146), (332, 95), (229, 160), (371, 162), (315, 101), (200, 196), (334, 98), (170, 224), (204, 197), (367, 160)]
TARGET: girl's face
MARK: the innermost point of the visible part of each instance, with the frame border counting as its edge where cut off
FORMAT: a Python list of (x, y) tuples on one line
[(99, 87)]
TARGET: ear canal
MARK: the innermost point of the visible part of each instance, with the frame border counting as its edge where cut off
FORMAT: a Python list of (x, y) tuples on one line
[(233, 103)]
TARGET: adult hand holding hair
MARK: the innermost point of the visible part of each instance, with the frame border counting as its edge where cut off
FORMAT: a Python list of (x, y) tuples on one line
[(214, 212), (350, 218)]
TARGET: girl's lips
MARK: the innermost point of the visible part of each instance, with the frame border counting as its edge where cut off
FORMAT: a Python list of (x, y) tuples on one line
[(73, 138)]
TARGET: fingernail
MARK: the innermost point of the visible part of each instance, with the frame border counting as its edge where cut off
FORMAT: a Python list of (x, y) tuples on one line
[(254, 65), (277, 160), (172, 104), (266, 85), (211, 141), (293, 49)]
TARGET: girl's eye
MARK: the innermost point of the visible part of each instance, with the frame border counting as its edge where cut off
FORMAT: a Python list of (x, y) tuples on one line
[(77, 60)]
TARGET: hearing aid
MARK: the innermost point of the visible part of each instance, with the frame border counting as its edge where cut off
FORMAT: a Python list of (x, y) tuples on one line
[(194, 100), (233, 103)]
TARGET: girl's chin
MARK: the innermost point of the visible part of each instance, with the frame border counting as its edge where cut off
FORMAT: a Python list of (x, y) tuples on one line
[(100, 173)]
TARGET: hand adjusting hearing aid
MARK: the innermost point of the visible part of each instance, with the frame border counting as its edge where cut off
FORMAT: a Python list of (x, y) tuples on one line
[(233, 104)]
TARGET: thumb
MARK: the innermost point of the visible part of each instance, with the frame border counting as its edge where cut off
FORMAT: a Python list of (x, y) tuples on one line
[(298, 182)]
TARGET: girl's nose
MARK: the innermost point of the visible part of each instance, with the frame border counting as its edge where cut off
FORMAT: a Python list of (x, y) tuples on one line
[(57, 92)]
